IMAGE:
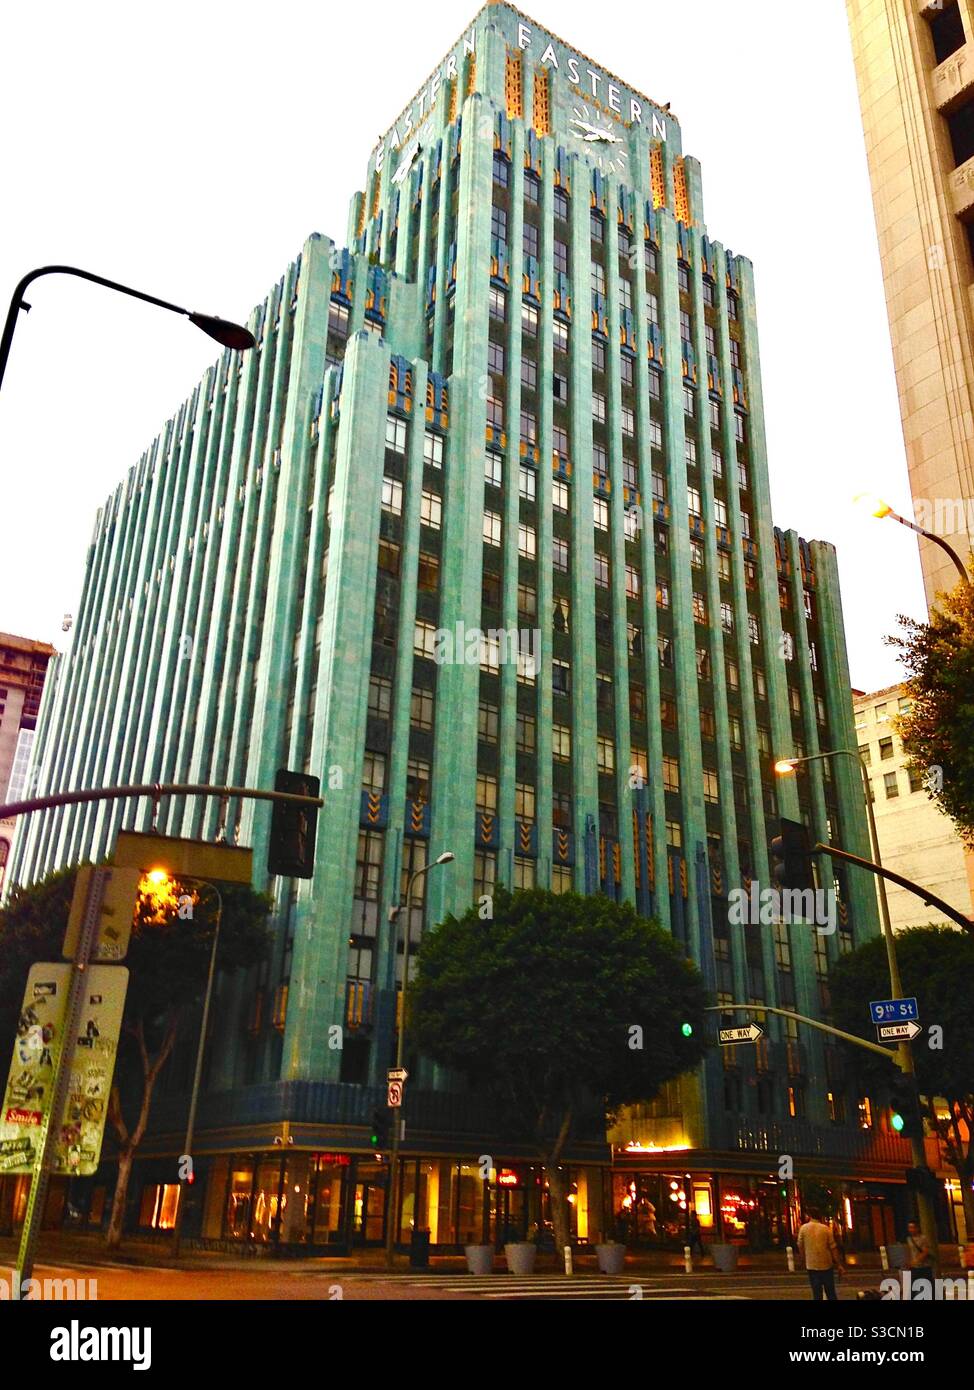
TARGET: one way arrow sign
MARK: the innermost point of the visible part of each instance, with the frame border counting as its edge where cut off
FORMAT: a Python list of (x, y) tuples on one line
[(750, 1033), (889, 1031)]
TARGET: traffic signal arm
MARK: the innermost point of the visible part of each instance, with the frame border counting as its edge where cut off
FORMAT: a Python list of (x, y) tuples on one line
[(929, 898), (812, 1023)]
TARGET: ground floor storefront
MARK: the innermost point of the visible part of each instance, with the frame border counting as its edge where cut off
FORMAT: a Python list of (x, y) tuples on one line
[(675, 1206), (316, 1202)]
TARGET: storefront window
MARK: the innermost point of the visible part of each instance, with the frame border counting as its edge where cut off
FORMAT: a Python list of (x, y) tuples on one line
[(157, 1210), (239, 1199), (328, 1212), (267, 1200)]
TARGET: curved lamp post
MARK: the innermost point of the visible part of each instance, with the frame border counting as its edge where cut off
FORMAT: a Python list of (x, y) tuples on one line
[(392, 1212), (882, 509), (231, 335)]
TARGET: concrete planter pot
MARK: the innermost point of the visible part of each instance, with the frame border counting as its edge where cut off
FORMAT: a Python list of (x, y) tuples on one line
[(521, 1256), (725, 1257), (480, 1258), (611, 1258)]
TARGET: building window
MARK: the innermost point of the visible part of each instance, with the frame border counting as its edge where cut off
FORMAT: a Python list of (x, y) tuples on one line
[(424, 639), (560, 334), (433, 449), (662, 594), (561, 743), (488, 721), (431, 510), (421, 708), (600, 513), (502, 171), (529, 320), (560, 677), (671, 774), (368, 866), (699, 608), (526, 541), (498, 223), (493, 468), (559, 550), (486, 793), (885, 748), (498, 305), (484, 873), (561, 204), (632, 582), (392, 496), (664, 647), (531, 240), (395, 434), (711, 787), (380, 697), (527, 483), (601, 570), (492, 528), (526, 739), (891, 785), (374, 772), (689, 401), (559, 495)]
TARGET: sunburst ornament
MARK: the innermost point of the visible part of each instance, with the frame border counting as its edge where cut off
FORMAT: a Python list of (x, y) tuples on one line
[(589, 127)]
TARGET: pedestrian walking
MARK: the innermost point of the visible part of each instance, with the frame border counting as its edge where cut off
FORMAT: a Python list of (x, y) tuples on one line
[(695, 1242), (919, 1261), (817, 1244)]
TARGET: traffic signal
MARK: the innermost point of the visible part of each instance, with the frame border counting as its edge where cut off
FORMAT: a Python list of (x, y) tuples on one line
[(379, 1131), (791, 857), (686, 1029), (904, 1105), (291, 849)]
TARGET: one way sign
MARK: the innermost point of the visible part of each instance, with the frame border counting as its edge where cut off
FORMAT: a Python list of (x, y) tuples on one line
[(890, 1031), (750, 1033)]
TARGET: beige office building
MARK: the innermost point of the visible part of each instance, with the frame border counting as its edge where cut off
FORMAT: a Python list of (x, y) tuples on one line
[(23, 668), (915, 838), (915, 68)]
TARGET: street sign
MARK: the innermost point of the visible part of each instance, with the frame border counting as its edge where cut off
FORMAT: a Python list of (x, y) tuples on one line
[(119, 897), (890, 1031), (396, 1074), (89, 1059), (746, 1034), (893, 1010), (394, 1095)]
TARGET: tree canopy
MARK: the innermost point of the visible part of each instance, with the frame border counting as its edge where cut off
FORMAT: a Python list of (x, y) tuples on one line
[(554, 1001), (938, 729)]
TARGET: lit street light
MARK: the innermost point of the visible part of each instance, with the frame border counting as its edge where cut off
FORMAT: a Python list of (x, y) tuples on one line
[(157, 878), (230, 335), (392, 1211), (881, 509)]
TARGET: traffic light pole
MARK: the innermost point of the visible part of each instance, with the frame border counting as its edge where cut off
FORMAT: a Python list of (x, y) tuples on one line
[(155, 791), (928, 1221)]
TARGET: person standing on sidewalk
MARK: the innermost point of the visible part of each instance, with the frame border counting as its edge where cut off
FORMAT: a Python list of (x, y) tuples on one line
[(817, 1244), (919, 1261)]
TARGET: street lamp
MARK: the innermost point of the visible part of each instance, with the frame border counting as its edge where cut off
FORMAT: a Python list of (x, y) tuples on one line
[(231, 335), (157, 877), (392, 1212), (786, 767), (881, 509)]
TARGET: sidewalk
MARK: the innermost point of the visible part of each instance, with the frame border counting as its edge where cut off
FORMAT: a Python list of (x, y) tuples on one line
[(59, 1247)]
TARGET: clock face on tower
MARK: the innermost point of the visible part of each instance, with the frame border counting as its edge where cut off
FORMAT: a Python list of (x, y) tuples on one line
[(590, 128)]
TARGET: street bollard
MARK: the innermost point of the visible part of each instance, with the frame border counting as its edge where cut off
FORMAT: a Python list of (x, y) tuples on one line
[(568, 1260), (687, 1260), (884, 1256), (790, 1252)]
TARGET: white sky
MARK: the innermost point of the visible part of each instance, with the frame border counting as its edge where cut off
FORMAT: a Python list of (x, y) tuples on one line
[(189, 148)]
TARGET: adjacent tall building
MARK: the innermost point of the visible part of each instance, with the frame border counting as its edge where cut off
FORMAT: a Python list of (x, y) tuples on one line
[(480, 534), (915, 67), (23, 668), (916, 839)]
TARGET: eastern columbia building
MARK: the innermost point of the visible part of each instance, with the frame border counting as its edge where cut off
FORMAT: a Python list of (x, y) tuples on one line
[(524, 397)]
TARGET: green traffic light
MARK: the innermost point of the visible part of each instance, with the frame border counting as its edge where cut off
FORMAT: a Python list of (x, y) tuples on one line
[(896, 1121), (687, 1030)]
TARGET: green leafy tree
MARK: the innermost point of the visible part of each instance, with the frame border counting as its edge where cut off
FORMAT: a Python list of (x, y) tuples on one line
[(938, 729), (556, 1003), (168, 959), (937, 966)]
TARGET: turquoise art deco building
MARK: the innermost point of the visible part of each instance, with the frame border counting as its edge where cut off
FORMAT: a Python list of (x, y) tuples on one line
[(522, 402)]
